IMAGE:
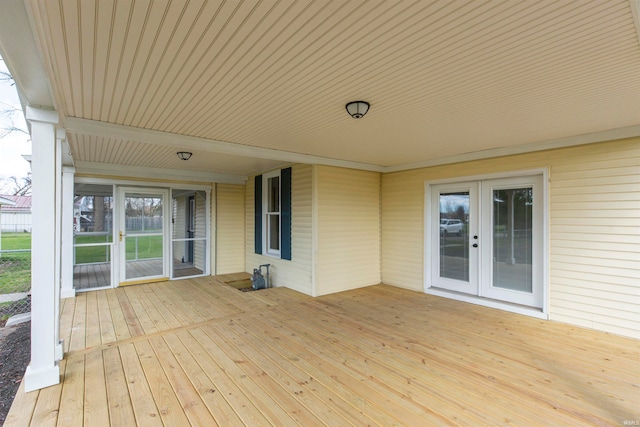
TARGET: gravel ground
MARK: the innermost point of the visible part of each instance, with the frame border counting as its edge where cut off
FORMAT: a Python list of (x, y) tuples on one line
[(15, 354)]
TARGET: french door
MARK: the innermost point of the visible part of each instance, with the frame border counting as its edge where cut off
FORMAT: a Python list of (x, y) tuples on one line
[(486, 239), (143, 235)]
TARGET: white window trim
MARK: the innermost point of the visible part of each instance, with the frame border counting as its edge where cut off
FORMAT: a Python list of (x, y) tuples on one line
[(265, 213)]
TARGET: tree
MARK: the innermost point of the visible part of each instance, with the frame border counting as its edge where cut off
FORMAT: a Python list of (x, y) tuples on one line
[(17, 186), (8, 115), (7, 111)]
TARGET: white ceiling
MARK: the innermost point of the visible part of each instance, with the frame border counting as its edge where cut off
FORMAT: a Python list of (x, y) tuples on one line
[(250, 85)]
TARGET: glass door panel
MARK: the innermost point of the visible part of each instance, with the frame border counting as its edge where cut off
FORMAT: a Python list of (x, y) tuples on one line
[(513, 219), (512, 238), (143, 238), (454, 265)]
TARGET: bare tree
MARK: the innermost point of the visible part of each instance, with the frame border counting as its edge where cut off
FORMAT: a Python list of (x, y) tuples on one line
[(8, 114), (16, 186), (7, 111)]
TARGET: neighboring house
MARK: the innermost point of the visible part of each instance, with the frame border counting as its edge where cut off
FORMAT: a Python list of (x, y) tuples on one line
[(520, 119), (17, 217)]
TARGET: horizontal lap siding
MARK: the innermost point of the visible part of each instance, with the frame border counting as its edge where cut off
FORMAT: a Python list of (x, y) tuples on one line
[(294, 274), (594, 224), (201, 229), (230, 229), (348, 206), (595, 237)]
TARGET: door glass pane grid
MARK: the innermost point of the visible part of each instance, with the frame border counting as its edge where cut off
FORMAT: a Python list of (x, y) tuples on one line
[(513, 239), (144, 237), (454, 235), (143, 214)]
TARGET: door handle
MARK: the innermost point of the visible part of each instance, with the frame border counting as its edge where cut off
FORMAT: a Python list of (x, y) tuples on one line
[(475, 245), (121, 236)]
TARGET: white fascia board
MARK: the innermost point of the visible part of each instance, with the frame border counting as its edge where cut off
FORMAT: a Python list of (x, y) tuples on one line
[(191, 143), (591, 138), (124, 171)]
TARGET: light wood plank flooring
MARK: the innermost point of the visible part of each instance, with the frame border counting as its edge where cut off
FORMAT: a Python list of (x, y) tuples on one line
[(98, 275), (198, 352)]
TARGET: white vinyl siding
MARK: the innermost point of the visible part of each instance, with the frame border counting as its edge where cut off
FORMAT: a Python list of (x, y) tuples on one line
[(296, 273), (179, 225), (595, 237), (230, 211), (594, 224), (200, 228), (348, 206)]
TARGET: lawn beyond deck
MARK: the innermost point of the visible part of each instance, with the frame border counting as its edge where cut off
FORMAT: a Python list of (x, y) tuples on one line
[(198, 352)]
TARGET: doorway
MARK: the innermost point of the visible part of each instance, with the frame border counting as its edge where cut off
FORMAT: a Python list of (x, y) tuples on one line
[(485, 238), (142, 236)]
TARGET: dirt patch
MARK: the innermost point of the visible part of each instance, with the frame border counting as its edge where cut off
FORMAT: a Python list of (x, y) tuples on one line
[(15, 354)]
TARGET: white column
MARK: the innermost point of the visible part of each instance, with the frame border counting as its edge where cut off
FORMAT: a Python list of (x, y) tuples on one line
[(68, 174), (43, 371)]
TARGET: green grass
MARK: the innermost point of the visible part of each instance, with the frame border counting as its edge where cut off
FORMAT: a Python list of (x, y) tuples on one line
[(92, 254), (15, 268), (12, 241), (148, 247)]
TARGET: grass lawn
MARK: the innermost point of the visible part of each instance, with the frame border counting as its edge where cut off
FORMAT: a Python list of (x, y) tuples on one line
[(92, 254), (12, 241), (15, 268)]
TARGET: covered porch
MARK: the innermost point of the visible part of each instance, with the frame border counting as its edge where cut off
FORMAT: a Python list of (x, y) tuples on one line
[(199, 352)]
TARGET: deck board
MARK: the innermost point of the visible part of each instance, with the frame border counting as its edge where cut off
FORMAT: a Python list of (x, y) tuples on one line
[(199, 352)]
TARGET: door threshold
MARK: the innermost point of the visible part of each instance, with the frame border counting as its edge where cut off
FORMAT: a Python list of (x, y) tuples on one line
[(144, 281), (538, 313)]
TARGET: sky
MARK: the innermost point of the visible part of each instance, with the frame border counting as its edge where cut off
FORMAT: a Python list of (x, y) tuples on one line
[(14, 145)]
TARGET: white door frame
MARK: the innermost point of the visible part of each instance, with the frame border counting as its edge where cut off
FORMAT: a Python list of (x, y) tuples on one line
[(120, 249), (431, 232)]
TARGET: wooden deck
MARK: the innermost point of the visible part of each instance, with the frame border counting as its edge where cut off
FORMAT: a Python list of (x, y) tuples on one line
[(98, 275), (198, 352)]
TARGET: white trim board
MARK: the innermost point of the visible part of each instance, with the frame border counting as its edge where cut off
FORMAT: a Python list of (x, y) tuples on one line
[(96, 128), (191, 143), (124, 171)]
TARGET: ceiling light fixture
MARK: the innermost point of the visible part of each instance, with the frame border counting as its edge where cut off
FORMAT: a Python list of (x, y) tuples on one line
[(184, 155), (357, 109)]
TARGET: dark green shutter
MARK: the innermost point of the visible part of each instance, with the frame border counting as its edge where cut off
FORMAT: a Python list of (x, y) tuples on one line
[(285, 211), (257, 237)]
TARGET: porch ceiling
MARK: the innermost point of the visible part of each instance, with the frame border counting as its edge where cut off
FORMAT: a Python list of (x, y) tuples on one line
[(250, 85)]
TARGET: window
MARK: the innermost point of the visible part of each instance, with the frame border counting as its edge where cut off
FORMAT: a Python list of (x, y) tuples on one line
[(273, 214), (271, 198)]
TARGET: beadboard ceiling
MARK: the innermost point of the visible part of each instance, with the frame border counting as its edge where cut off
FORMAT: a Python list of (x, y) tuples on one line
[(444, 78)]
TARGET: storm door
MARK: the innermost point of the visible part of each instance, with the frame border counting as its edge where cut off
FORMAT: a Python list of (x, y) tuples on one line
[(142, 236)]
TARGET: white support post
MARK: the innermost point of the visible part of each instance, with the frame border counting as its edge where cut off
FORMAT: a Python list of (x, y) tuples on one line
[(67, 290), (43, 371)]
